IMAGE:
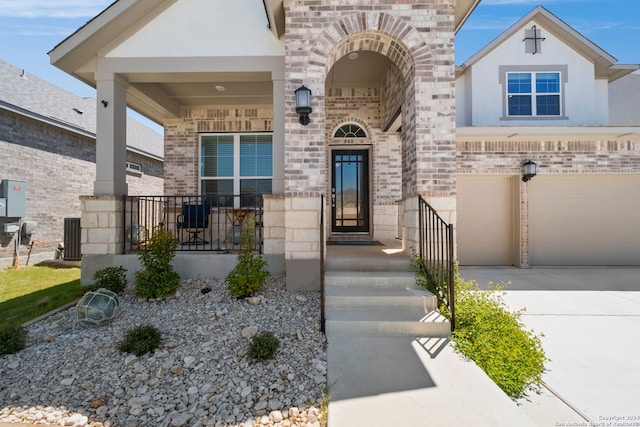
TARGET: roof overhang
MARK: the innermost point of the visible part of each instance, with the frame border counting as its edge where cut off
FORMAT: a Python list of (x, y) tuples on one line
[(118, 19), (528, 133)]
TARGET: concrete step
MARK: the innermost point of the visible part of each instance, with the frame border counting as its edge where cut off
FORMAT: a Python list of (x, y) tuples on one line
[(386, 322), (394, 263), (359, 297), (392, 279)]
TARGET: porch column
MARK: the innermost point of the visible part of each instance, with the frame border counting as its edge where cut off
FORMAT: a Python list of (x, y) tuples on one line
[(278, 135), (111, 136)]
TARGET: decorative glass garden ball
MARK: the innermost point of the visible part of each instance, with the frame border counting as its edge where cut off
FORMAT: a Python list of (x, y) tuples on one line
[(97, 307)]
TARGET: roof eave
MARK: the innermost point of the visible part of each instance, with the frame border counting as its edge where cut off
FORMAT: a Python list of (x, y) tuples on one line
[(81, 46)]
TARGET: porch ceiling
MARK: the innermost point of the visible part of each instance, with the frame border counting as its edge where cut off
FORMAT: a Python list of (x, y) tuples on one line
[(368, 69), (190, 89)]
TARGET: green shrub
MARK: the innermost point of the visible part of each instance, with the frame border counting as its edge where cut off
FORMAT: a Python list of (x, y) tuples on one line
[(496, 339), (13, 338), (113, 279), (249, 274), (141, 340), (157, 279), (263, 346)]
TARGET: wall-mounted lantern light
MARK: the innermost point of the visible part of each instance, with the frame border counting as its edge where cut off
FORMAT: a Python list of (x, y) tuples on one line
[(303, 104), (529, 170)]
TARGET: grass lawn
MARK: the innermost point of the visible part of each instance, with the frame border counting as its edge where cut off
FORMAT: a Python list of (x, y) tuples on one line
[(29, 292)]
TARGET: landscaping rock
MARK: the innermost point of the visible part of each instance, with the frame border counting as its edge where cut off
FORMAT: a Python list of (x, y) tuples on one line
[(200, 376)]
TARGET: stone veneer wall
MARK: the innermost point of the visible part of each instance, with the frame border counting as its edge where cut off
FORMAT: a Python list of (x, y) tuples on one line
[(181, 140), (58, 167)]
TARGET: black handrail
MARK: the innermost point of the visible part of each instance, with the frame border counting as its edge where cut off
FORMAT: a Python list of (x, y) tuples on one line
[(322, 256), (200, 223), (436, 255)]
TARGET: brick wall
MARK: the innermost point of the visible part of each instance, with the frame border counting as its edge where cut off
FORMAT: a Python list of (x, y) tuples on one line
[(363, 106), (58, 167), (181, 140), (418, 39), (588, 156)]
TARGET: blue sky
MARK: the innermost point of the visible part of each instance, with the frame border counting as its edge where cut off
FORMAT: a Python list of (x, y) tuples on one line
[(31, 28)]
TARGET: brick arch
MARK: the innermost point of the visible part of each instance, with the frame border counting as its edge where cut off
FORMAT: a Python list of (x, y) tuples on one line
[(370, 31)]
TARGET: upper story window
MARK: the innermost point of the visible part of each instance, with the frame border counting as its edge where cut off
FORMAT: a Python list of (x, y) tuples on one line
[(236, 164), (350, 130), (533, 94)]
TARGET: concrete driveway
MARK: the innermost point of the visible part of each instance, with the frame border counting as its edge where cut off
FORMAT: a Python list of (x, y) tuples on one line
[(590, 321)]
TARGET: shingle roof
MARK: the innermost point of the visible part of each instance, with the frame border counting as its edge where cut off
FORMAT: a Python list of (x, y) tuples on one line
[(30, 95)]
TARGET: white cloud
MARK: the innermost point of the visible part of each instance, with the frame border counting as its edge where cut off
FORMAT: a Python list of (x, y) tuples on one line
[(52, 8)]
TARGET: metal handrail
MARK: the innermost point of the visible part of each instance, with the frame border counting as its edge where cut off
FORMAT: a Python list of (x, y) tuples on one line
[(436, 255), (322, 257), (199, 223)]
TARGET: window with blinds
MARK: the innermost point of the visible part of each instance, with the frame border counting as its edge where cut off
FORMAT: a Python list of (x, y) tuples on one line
[(236, 164)]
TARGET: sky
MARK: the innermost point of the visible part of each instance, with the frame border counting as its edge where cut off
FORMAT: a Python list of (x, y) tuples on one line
[(31, 28)]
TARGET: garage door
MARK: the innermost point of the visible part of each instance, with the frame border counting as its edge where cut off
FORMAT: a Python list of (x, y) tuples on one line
[(483, 220), (584, 220)]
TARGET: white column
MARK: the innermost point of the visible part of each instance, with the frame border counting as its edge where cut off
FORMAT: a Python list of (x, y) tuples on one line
[(111, 136)]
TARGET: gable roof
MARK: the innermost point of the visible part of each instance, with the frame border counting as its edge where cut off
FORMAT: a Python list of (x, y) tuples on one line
[(28, 95), (124, 16), (606, 66)]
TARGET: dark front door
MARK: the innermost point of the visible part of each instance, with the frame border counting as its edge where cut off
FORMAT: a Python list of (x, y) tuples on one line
[(350, 191)]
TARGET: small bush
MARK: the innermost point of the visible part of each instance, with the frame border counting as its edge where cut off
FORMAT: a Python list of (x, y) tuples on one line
[(13, 338), (249, 273), (113, 279), (158, 279), (263, 346), (141, 340), (496, 339)]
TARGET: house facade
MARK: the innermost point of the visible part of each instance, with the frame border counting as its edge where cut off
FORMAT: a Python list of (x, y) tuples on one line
[(543, 92), (215, 72), (392, 119), (47, 141)]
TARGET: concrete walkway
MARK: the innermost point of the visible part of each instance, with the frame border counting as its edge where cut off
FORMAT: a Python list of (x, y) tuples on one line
[(590, 318)]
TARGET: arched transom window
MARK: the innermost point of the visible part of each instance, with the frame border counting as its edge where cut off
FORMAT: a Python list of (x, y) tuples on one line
[(350, 130)]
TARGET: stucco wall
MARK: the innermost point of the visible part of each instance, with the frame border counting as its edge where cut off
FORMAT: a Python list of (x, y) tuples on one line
[(58, 166), (585, 99)]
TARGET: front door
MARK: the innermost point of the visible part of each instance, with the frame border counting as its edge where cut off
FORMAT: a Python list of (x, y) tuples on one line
[(350, 191)]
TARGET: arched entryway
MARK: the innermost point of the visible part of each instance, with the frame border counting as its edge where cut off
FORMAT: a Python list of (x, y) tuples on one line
[(365, 95)]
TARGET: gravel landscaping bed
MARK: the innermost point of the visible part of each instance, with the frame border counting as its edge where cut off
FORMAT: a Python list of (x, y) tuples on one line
[(200, 375)]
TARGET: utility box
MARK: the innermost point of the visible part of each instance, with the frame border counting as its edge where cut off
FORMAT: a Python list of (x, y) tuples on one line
[(3, 206), (15, 195)]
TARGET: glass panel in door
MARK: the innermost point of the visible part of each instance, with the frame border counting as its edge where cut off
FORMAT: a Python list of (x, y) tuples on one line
[(350, 191)]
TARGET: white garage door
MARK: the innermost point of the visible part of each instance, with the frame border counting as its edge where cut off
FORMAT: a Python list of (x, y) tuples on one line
[(584, 220), (483, 220)]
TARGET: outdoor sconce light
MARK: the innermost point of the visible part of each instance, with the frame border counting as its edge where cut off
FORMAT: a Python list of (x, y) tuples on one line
[(528, 170), (303, 104)]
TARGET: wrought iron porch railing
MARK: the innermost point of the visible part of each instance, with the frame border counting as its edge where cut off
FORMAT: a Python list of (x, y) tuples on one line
[(436, 256), (200, 223)]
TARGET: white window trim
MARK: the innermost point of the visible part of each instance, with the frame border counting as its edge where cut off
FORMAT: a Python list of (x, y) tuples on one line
[(236, 162), (134, 168), (364, 129), (504, 70)]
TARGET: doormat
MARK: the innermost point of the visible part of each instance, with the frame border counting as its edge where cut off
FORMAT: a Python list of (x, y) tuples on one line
[(354, 243)]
